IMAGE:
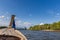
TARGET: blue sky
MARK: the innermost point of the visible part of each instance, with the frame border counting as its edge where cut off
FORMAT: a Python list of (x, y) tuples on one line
[(30, 12)]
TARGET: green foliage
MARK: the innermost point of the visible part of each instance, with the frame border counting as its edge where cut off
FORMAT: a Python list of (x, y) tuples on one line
[(2, 27), (53, 26)]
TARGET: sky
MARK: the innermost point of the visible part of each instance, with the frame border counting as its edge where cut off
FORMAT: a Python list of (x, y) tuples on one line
[(29, 12)]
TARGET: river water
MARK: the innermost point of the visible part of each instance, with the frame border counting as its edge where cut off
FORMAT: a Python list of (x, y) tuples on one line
[(41, 35)]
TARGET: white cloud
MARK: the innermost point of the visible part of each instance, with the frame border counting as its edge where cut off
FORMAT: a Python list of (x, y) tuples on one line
[(2, 16), (57, 15), (18, 23), (5, 20), (41, 24), (27, 24), (4, 23), (53, 13)]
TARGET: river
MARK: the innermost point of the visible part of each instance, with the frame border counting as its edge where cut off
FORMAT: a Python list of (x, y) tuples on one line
[(41, 35)]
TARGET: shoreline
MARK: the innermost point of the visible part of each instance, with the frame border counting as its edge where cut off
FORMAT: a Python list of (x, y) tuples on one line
[(51, 30)]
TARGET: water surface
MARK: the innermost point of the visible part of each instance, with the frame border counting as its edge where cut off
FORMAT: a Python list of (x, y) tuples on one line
[(41, 35)]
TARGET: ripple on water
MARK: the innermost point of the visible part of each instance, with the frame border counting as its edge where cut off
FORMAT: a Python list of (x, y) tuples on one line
[(41, 35)]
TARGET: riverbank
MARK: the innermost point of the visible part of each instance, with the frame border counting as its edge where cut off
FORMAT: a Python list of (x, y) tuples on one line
[(52, 30)]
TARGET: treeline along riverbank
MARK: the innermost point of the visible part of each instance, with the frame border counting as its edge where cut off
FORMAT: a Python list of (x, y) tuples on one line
[(52, 26)]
